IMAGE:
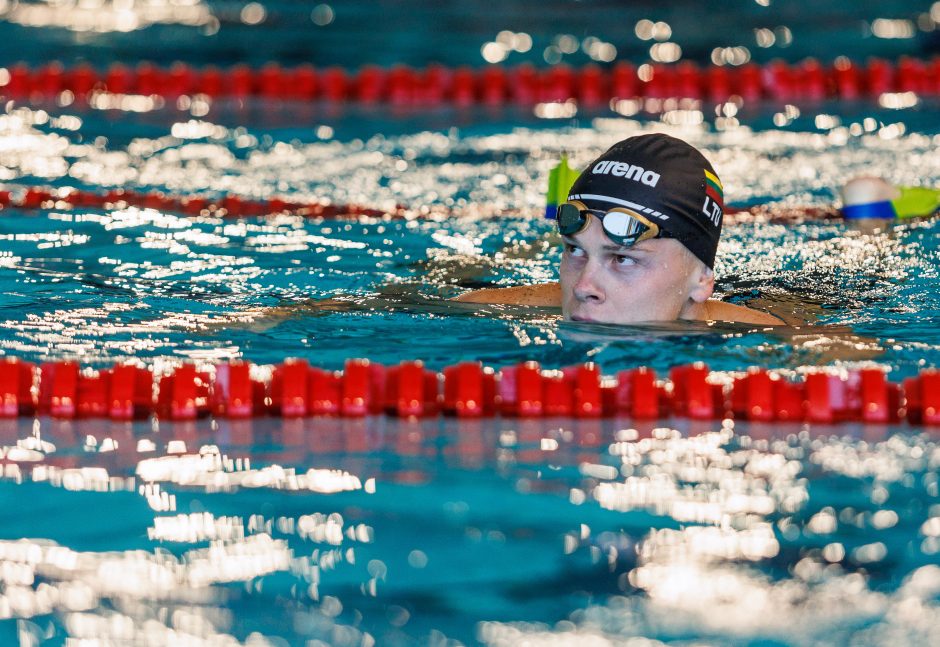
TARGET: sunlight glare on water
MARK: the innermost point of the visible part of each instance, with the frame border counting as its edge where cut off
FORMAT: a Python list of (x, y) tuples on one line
[(378, 531), (696, 520), (219, 286)]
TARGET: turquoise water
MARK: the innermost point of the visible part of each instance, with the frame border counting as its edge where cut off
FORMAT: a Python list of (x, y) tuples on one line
[(368, 532), (164, 285), (383, 532), (360, 32)]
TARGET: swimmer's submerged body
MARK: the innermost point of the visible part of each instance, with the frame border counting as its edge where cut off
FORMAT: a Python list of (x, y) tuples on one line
[(667, 275), (550, 295), (640, 230)]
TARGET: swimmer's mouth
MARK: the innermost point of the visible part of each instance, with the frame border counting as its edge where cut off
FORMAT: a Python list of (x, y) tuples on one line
[(586, 319)]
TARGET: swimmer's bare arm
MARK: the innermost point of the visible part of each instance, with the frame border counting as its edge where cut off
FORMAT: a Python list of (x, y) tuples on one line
[(542, 294), (549, 294)]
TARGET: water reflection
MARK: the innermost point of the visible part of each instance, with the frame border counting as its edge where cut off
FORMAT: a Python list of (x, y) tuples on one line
[(210, 286), (103, 16), (370, 531)]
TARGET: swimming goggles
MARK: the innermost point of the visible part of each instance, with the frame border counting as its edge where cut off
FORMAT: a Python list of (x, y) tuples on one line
[(623, 226)]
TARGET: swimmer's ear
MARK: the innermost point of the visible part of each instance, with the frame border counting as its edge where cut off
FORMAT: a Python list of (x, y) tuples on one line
[(702, 283)]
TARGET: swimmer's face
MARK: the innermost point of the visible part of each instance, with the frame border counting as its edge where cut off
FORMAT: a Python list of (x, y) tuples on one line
[(654, 280)]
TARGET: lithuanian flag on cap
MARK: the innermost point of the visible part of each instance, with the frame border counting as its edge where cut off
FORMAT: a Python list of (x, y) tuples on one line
[(713, 189)]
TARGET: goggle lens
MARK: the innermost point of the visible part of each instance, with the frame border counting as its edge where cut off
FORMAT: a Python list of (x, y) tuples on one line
[(571, 220), (621, 227)]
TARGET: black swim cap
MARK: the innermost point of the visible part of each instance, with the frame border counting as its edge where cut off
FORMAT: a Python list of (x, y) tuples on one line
[(664, 179)]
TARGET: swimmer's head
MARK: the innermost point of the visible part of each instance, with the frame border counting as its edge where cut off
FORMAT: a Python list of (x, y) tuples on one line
[(665, 182), (641, 229)]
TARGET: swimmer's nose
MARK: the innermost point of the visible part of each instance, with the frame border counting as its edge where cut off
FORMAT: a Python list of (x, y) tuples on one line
[(587, 289)]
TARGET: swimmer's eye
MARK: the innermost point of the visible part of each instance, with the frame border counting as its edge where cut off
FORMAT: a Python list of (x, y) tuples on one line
[(624, 261), (574, 250)]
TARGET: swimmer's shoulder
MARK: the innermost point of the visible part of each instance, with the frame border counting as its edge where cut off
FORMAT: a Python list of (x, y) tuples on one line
[(722, 311), (549, 295), (542, 294)]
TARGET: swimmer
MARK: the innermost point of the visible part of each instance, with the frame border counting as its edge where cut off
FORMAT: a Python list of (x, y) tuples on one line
[(655, 265), (640, 231), (873, 199)]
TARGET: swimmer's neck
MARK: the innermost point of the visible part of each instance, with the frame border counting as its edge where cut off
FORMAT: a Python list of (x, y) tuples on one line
[(696, 311)]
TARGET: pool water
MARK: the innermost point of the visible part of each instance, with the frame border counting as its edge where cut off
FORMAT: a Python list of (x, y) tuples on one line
[(386, 532), (102, 286), (327, 531)]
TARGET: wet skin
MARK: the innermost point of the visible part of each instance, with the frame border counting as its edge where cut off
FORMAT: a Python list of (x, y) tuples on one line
[(652, 281), (656, 278)]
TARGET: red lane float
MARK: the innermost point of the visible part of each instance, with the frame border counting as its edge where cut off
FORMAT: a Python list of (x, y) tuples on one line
[(294, 388), (592, 85), (922, 395)]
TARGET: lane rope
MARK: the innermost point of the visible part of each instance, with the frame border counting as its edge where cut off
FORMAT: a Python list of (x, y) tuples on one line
[(234, 206), (45, 198), (590, 85), (294, 388)]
